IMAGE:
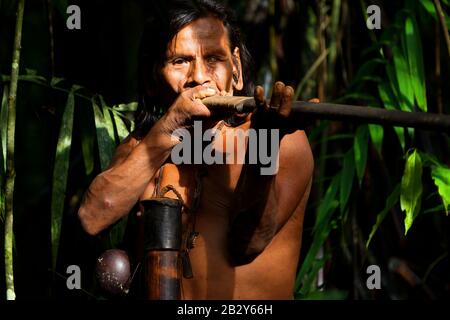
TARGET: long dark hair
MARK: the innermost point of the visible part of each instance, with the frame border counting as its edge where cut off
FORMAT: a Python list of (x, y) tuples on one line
[(159, 30)]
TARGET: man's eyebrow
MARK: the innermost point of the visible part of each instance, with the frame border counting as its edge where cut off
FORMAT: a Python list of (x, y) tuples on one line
[(216, 51), (178, 55)]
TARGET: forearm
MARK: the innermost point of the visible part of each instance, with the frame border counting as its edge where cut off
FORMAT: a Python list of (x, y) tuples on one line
[(115, 191)]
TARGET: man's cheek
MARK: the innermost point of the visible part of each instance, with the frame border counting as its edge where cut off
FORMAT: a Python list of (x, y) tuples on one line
[(223, 80)]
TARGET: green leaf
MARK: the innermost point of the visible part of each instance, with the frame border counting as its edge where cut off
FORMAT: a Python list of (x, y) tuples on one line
[(105, 139), (411, 188), (87, 148), (60, 173), (326, 204), (126, 107), (390, 202), (441, 177), (393, 87), (307, 285), (4, 124), (406, 92), (322, 229), (437, 208), (415, 60), (360, 147), (108, 119), (431, 10), (389, 104), (348, 173), (122, 131), (55, 81), (326, 295), (376, 135), (33, 79)]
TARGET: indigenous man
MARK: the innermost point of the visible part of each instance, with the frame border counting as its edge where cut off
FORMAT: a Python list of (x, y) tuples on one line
[(249, 224)]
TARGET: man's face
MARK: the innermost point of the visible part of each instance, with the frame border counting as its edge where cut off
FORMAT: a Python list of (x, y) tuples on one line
[(200, 54)]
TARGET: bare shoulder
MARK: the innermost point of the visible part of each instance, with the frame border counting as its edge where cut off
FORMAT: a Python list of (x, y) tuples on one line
[(295, 154)]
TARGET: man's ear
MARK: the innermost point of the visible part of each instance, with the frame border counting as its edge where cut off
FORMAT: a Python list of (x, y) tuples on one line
[(238, 81)]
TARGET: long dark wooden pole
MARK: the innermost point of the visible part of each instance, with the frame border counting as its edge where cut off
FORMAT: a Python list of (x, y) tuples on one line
[(341, 112)]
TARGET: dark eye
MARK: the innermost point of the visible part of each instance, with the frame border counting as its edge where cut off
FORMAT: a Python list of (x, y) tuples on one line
[(179, 61), (212, 59)]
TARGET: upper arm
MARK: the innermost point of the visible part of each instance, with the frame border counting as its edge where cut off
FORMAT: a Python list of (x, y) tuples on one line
[(265, 203), (294, 176)]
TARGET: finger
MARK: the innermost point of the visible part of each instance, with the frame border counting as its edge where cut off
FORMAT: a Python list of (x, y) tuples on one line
[(314, 100), (260, 100), (286, 101), (201, 92), (277, 93)]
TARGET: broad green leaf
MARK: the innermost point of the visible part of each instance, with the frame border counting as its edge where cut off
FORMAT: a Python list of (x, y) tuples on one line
[(320, 235), (411, 188), (4, 124), (87, 148), (406, 92), (360, 147), (122, 131), (415, 60), (323, 212), (322, 229), (389, 104), (393, 87), (104, 139), (60, 173), (126, 107), (307, 285), (376, 135), (441, 177), (108, 120), (390, 202), (348, 173)]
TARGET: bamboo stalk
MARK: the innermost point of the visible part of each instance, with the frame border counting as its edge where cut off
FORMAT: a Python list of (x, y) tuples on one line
[(441, 15), (10, 172)]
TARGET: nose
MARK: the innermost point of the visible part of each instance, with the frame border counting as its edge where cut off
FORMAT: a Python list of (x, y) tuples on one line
[(198, 74)]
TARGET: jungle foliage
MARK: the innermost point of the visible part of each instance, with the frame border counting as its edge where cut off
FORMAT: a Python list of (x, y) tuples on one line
[(381, 195)]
